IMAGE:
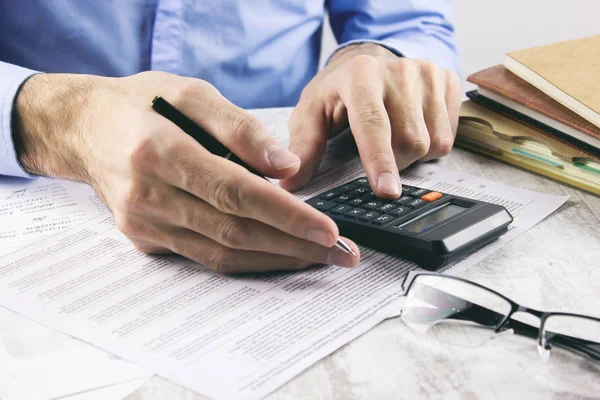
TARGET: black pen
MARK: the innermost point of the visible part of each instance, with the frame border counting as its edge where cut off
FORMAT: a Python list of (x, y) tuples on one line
[(207, 141), (211, 144)]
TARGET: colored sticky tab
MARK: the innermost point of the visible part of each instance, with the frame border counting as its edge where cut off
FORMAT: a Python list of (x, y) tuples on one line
[(587, 167), (431, 196), (539, 158)]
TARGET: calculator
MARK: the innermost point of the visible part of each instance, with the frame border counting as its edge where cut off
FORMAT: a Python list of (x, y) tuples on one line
[(425, 226)]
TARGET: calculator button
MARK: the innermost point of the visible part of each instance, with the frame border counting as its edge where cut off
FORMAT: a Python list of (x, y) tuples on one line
[(360, 191), (340, 209), (432, 196), (356, 202), (361, 182), (329, 195), (403, 200), (354, 213), (369, 197), (372, 204), (407, 190), (369, 216), (386, 208), (419, 192), (342, 199), (417, 203), (400, 211), (321, 205), (345, 188), (382, 219)]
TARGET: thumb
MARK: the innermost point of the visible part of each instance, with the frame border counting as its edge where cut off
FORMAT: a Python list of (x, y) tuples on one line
[(308, 140), (242, 133)]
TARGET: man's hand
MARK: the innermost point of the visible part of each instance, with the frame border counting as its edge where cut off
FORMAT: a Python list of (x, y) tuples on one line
[(399, 111), (167, 192)]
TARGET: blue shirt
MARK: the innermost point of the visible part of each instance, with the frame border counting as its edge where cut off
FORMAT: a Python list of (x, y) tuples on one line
[(258, 53)]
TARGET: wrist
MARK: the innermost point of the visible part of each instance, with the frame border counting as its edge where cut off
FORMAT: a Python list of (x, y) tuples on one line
[(47, 124), (361, 48)]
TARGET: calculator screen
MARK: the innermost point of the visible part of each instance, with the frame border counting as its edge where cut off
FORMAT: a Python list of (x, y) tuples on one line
[(425, 221)]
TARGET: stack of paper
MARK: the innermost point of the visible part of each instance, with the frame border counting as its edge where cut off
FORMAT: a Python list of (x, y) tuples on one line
[(487, 132), (226, 336), (37, 362)]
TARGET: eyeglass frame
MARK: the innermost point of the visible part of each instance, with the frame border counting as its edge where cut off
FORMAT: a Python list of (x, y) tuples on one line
[(580, 346)]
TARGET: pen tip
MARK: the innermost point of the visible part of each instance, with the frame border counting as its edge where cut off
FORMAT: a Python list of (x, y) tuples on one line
[(154, 100), (342, 245)]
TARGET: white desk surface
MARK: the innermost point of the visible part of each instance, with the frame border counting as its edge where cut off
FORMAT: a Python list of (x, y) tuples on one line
[(554, 266)]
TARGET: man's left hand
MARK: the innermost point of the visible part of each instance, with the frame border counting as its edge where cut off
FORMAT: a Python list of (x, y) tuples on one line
[(399, 110)]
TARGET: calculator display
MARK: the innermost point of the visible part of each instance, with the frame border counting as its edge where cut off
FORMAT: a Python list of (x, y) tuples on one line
[(428, 220)]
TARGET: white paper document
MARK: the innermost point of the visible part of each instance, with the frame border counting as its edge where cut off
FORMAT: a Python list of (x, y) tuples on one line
[(37, 362), (32, 209), (226, 336)]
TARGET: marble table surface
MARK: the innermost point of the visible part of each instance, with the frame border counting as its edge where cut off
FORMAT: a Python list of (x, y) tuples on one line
[(554, 266)]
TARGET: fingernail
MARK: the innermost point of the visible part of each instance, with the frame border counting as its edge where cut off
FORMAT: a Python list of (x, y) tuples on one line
[(281, 158), (341, 259), (320, 236), (388, 183)]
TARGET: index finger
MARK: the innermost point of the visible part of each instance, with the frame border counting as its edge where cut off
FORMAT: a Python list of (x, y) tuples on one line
[(233, 190), (370, 125)]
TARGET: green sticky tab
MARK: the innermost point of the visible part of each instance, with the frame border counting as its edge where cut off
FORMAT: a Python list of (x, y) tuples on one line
[(537, 157), (587, 167)]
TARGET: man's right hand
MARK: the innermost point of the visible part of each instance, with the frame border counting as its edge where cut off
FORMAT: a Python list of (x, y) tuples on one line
[(167, 192)]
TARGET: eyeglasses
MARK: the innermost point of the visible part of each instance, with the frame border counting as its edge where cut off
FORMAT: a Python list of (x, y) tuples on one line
[(431, 299)]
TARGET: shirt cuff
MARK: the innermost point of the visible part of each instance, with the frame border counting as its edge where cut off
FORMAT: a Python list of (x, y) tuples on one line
[(11, 79), (362, 41), (424, 48)]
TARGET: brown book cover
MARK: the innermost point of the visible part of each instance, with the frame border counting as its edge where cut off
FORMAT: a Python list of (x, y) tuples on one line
[(569, 72), (501, 81)]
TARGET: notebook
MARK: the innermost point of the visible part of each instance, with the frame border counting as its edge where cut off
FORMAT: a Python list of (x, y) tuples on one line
[(567, 71), (503, 92), (486, 132)]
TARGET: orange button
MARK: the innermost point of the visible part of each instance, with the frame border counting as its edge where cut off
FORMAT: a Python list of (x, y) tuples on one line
[(431, 196)]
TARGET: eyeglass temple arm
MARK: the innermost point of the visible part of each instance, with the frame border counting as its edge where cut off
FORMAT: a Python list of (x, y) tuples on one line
[(475, 313)]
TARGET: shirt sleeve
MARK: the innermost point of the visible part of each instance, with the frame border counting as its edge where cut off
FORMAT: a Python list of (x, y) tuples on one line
[(11, 79), (420, 29)]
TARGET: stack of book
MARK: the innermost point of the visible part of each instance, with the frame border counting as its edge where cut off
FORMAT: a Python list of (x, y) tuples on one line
[(540, 111)]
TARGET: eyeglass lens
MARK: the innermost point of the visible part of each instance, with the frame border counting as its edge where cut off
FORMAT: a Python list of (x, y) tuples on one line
[(469, 314)]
